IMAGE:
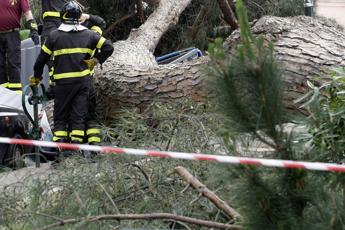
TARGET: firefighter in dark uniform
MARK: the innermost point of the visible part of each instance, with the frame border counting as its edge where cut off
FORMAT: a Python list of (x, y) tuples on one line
[(93, 132), (51, 21), (10, 55), (72, 46)]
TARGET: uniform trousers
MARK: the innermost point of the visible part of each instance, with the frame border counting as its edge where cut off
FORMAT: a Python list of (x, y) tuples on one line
[(10, 60), (71, 108)]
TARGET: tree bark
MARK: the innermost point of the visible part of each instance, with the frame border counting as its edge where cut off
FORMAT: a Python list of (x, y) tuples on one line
[(120, 86), (306, 48), (138, 49)]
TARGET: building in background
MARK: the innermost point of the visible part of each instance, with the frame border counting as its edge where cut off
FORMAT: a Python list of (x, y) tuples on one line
[(334, 9)]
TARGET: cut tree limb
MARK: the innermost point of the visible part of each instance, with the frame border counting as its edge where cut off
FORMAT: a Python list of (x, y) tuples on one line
[(151, 216), (202, 189)]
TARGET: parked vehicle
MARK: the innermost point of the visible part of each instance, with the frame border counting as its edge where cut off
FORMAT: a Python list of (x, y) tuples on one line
[(180, 56), (16, 121), (14, 124)]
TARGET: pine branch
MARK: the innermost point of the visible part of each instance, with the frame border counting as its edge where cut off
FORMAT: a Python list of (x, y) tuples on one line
[(149, 216)]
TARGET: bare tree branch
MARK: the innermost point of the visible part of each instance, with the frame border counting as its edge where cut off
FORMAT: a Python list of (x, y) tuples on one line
[(140, 12), (189, 178), (228, 14), (113, 25), (152, 2), (151, 216), (196, 25)]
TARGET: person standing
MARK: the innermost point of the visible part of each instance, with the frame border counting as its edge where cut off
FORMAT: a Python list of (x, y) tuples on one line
[(51, 21), (71, 46), (10, 53)]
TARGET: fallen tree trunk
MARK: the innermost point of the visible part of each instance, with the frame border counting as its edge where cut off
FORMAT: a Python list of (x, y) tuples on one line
[(137, 87), (306, 47)]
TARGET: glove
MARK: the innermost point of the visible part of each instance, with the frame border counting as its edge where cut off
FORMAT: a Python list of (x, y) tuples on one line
[(34, 81), (33, 31), (98, 21), (91, 63)]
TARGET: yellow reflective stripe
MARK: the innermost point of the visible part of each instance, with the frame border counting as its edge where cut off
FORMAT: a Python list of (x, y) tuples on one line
[(51, 72), (100, 42), (93, 139), (18, 92), (77, 139), (5, 84), (93, 53), (72, 51), (97, 29), (92, 72), (46, 50), (56, 138), (61, 133), (14, 85), (51, 14), (72, 74), (77, 133), (93, 131)]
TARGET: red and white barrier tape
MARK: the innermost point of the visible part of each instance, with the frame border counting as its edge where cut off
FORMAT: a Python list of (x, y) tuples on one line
[(187, 156)]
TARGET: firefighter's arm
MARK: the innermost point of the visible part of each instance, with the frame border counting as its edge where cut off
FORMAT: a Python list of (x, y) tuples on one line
[(41, 60), (106, 49), (96, 20)]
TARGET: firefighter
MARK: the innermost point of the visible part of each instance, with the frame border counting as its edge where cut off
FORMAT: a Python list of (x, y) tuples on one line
[(71, 46), (10, 55), (93, 132), (51, 21)]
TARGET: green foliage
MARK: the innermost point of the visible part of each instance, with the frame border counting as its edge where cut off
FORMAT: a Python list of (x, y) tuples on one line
[(326, 122), (249, 95), (179, 126), (281, 8), (125, 184), (249, 86), (24, 34)]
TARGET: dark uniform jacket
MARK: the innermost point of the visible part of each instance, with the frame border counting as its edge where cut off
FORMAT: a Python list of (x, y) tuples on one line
[(69, 50), (51, 8)]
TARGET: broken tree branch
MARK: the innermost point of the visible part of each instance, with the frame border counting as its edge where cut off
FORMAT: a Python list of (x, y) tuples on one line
[(151, 216), (113, 25), (189, 178), (228, 14), (140, 11), (196, 25)]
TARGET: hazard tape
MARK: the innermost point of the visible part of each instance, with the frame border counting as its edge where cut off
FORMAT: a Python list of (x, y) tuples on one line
[(187, 156)]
